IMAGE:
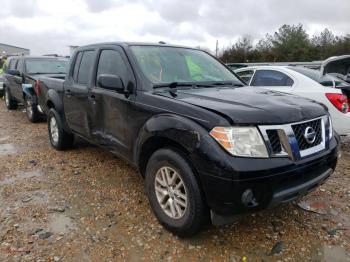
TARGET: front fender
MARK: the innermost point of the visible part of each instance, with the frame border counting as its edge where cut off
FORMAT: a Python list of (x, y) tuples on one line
[(205, 154), (28, 91), (182, 130)]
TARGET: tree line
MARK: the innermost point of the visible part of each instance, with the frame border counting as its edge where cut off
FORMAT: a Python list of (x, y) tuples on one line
[(288, 43)]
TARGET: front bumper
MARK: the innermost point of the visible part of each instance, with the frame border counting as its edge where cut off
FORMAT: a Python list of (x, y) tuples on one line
[(272, 181)]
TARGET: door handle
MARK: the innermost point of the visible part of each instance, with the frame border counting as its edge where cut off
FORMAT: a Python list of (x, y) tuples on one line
[(92, 99), (68, 93)]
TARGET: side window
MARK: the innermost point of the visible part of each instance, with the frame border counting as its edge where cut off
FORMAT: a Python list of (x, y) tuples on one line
[(246, 75), (271, 78), (10, 64), (13, 64), (111, 62), (85, 67), (20, 65), (76, 66)]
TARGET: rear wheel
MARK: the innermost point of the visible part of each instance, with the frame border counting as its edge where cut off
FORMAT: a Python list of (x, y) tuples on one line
[(174, 193), (11, 104), (32, 112), (59, 138)]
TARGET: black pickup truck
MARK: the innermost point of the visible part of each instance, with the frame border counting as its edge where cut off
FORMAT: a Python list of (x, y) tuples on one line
[(20, 81), (207, 146)]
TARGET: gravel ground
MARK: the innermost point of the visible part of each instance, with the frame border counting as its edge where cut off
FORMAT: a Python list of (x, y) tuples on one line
[(87, 205)]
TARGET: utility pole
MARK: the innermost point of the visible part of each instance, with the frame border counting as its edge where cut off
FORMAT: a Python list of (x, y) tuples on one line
[(217, 48)]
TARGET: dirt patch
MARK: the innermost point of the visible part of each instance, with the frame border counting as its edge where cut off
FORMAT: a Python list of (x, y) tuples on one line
[(87, 205)]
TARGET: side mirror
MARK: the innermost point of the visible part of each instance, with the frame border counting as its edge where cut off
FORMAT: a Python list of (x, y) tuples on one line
[(14, 72), (111, 82)]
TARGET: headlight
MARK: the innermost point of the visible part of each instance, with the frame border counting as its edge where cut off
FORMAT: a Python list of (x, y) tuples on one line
[(240, 141), (330, 128)]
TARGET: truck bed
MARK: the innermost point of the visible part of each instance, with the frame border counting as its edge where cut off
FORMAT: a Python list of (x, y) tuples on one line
[(47, 83)]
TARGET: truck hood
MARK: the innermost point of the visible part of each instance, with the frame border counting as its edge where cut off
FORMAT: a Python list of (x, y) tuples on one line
[(247, 105)]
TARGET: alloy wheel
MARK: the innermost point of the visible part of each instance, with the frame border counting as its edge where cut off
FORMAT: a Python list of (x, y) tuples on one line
[(7, 98), (54, 130), (171, 192), (29, 109)]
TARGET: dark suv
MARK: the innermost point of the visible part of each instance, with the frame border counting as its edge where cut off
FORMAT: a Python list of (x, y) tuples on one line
[(20, 79), (207, 145)]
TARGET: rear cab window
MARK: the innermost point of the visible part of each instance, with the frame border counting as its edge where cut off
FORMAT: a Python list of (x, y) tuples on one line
[(271, 78)]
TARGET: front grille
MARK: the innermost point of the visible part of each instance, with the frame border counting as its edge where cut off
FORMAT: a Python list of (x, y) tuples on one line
[(274, 141), (299, 131), (296, 140)]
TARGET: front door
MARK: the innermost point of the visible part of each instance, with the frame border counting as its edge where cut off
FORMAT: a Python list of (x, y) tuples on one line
[(109, 108)]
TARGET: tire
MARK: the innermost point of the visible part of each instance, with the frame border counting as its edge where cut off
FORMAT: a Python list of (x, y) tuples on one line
[(32, 112), (10, 103), (59, 138), (185, 221)]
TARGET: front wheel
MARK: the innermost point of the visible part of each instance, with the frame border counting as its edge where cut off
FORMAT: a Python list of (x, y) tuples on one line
[(59, 138), (11, 104), (174, 194), (32, 112)]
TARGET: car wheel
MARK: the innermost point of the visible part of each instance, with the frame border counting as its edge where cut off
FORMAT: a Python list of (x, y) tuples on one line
[(59, 138), (10, 103), (32, 112), (174, 193)]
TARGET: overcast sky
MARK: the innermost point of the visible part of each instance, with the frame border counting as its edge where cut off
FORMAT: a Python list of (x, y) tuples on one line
[(49, 26)]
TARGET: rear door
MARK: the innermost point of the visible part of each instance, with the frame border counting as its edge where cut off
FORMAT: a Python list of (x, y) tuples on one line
[(75, 97), (10, 79), (109, 108), (18, 81)]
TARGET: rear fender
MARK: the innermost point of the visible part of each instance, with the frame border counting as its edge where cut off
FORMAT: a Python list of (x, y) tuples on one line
[(55, 99)]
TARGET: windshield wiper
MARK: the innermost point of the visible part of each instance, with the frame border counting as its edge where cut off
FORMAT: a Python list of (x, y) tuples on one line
[(39, 73), (197, 84), (175, 85), (227, 83)]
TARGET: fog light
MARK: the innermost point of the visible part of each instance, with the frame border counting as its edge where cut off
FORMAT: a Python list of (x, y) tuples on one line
[(248, 198)]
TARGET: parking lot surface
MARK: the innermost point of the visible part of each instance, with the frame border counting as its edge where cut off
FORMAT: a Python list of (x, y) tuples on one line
[(85, 204)]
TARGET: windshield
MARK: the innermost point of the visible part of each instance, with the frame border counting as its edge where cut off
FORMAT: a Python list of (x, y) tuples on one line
[(46, 66), (325, 80), (162, 65)]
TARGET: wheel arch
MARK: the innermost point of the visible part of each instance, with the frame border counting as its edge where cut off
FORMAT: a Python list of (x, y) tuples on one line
[(167, 131), (53, 100)]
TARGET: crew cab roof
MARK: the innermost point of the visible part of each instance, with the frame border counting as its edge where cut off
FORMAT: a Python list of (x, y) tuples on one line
[(36, 57), (127, 44)]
